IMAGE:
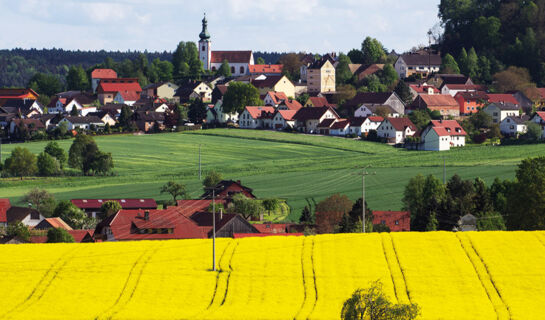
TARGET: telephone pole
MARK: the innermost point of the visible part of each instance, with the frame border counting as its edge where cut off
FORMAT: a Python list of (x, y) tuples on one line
[(199, 162), (213, 229), (363, 174)]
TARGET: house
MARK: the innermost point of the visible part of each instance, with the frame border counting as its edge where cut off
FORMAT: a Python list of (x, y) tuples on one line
[(452, 78), (24, 107), (284, 119), (215, 114), (444, 103), (80, 236), (417, 64), (319, 102), (189, 207), (17, 93), (308, 119), (525, 102), (250, 118), (441, 135), (93, 206), (65, 102), (99, 74), (30, 125), (274, 83), (325, 126), (453, 89), (227, 224), (365, 111), (395, 130), (48, 120), (52, 223), (289, 104), (121, 90), (500, 110), (164, 90), (341, 127), (539, 118), (27, 216), (376, 98), (418, 89), (266, 69), (273, 98), (321, 76), (502, 98), (363, 71), (147, 121), (395, 220), (514, 125), (239, 61), (192, 90), (361, 126), (83, 123), (218, 92), (105, 116), (5, 120), (226, 189), (471, 101)]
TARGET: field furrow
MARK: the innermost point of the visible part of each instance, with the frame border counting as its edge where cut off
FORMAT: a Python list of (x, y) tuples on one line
[(309, 280), (398, 280)]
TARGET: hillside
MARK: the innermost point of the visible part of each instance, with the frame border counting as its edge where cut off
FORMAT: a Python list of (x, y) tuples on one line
[(487, 275), (274, 164)]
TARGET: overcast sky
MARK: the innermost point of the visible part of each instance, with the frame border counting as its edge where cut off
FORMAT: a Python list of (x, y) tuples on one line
[(317, 26)]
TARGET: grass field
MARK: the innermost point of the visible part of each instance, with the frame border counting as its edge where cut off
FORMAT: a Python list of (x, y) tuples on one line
[(274, 164), (485, 275)]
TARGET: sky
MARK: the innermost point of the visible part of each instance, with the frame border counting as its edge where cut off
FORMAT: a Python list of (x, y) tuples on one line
[(317, 26)]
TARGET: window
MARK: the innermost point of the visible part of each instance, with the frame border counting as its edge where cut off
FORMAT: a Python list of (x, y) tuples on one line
[(203, 48), (232, 69), (397, 222), (213, 68), (241, 69), (383, 222)]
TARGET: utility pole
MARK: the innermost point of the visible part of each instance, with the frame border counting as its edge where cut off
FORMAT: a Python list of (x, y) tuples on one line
[(363, 174), (199, 162), (213, 229)]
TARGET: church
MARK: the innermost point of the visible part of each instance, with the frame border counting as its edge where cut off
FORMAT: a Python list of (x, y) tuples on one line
[(212, 60)]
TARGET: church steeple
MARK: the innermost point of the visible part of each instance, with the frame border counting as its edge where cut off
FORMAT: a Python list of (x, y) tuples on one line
[(204, 35)]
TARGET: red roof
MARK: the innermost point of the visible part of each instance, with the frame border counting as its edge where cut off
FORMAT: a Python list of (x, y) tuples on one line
[(292, 104), (79, 235), (401, 123), (103, 74), (266, 68), (4, 206), (442, 100), (125, 203), (122, 85), (540, 114), (277, 97), (17, 93), (272, 227), (502, 97), (423, 89), (340, 124), (58, 223), (321, 102), (189, 207), (451, 127), (287, 114), (375, 119), (260, 235), (231, 56), (255, 112), (395, 220)]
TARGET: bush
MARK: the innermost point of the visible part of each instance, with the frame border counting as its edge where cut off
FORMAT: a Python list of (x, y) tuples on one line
[(57, 235), (47, 165), (21, 163)]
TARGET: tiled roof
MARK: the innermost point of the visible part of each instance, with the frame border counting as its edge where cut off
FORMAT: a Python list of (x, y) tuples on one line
[(421, 59), (120, 85), (375, 119), (269, 82), (327, 123), (292, 104), (423, 89), (310, 113), (103, 74), (472, 95), (321, 102), (19, 213), (277, 97), (57, 223), (452, 127), (395, 220), (83, 120), (438, 100), (125, 203), (519, 120), (474, 87), (357, 122), (506, 106), (401, 123), (266, 68), (340, 124), (540, 114), (502, 97), (16, 93), (4, 206), (453, 78), (255, 112), (231, 56), (149, 116), (372, 69), (79, 235), (287, 114)]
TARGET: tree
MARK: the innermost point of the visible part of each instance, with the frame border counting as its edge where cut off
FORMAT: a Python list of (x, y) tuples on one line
[(54, 150), (291, 65), (462, 62), (356, 56), (212, 179), (197, 111), (47, 84), (77, 79), (423, 197), (224, 69), (513, 79), (174, 189), (18, 229), (533, 132), (85, 155), (355, 215), (373, 304), (21, 163), (449, 65), (420, 118), (404, 92), (303, 98), (110, 207), (525, 201), (373, 51), (41, 200), (260, 60), (389, 75), (342, 72), (125, 120), (382, 111), (246, 207), (329, 212), (72, 215), (472, 63), (270, 204), (240, 95), (48, 165), (58, 235), (306, 216)]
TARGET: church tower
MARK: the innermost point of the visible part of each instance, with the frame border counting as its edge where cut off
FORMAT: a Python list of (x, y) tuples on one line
[(205, 52)]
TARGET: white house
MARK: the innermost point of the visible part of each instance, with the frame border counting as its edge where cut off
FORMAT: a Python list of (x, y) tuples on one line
[(83, 123), (366, 110), (441, 135), (27, 216), (359, 126), (340, 128), (284, 119), (215, 114), (539, 118), (415, 63), (307, 119), (501, 110), (395, 130), (250, 118), (273, 98), (454, 88), (513, 126)]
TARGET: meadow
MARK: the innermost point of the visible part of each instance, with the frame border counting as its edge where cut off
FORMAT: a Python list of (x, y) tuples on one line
[(290, 166), (485, 275)]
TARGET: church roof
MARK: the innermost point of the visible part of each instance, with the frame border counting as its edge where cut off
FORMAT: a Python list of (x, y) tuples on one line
[(231, 56)]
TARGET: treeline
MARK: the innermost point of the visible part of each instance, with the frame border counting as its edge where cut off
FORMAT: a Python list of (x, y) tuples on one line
[(507, 33), (18, 66)]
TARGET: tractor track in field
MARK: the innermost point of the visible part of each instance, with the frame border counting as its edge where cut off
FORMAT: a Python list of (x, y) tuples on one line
[(42, 286), (306, 292), (502, 311), (229, 274), (390, 263), (402, 273)]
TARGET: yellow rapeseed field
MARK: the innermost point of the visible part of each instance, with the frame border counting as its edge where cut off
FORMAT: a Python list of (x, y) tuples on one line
[(487, 275)]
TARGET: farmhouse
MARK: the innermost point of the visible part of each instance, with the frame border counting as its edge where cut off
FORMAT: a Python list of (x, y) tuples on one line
[(415, 63), (165, 90), (99, 74), (226, 189), (377, 98), (341, 127), (121, 90), (283, 119), (395, 130), (514, 125), (319, 102), (24, 107), (250, 118), (367, 110), (395, 220), (279, 83), (500, 110), (441, 135), (444, 103), (27, 216)]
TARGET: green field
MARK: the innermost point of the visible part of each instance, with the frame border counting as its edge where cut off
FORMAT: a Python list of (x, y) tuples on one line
[(274, 164)]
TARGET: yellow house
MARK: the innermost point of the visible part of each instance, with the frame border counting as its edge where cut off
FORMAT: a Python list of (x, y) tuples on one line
[(275, 83), (321, 76)]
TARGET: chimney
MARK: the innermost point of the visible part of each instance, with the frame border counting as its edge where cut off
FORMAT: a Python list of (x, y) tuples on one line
[(221, 214), (146, 215)]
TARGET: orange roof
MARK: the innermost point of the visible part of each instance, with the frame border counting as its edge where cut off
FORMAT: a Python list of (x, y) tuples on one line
[(4, 206), (439, 100), (292, 104), (18, 93), (502, 97), (119, 85), (287, 114), (376, 119), (277, 97), (103, 74), (255, 112), (423, 89), (266, 68), (58, 223)]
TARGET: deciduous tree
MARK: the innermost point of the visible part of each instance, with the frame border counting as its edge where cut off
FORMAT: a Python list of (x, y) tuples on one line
[(21, 163), (174, 189), (240, 95), (58, 235)]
